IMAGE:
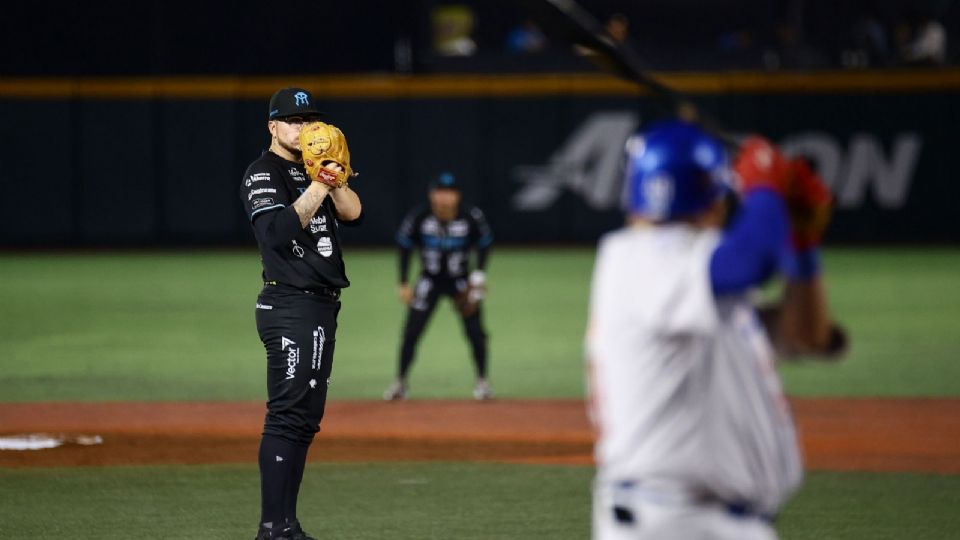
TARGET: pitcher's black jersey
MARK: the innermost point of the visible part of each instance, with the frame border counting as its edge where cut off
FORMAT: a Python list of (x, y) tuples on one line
[(312, 259)]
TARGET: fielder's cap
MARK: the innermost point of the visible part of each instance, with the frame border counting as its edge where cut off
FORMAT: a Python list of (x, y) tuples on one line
[(445, 180), (292, 102), (674, 169)]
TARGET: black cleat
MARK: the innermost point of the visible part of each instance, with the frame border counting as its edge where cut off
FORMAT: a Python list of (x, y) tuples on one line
[(296, 532), (275, 533)]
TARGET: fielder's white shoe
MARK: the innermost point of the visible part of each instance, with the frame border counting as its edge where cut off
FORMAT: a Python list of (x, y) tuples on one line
[(396, 391), (482, 391)]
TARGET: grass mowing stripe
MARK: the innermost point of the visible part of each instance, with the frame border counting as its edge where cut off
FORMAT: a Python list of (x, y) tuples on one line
[(179, 326), (879, 506), (424, 500), (355, 501)]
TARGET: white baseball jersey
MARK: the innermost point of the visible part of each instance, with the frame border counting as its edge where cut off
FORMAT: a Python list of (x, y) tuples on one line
[(683, 387)]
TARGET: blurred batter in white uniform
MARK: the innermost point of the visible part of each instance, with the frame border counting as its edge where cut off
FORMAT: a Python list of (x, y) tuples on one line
[(695, 438)]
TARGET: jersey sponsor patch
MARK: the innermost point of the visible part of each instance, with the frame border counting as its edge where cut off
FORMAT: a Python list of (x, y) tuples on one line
[(256, 177), (262, 203), (430, 226), (293, 355), (297, 249), (296, 174), (263, 306), (325, 246), (318, 224), (259, 191), (319, 336), (458, 227)]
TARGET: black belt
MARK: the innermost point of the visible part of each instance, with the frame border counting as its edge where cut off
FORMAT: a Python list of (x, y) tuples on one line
[(327, 292)]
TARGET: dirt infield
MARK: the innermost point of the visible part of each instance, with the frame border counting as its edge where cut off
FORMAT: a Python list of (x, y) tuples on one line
[(921, 435)]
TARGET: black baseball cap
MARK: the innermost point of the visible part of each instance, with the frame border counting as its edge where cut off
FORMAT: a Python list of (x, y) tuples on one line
[(445, 180), (292, 102)]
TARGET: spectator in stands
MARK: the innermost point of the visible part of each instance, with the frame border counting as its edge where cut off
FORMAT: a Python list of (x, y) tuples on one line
[(870, 42), (618, 26), (452, 30), (526, 39), (928, 43), (791, 51)]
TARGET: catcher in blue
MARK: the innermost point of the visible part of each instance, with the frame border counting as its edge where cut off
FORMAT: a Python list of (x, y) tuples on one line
[(695, 438), (445, 232)]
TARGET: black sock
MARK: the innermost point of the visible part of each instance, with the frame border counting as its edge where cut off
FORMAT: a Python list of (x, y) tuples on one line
[(298, 463), (413, 327), (478, 343), (277, 460)]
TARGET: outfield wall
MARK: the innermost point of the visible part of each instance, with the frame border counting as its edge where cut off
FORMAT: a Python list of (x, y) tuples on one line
[(157, 161)]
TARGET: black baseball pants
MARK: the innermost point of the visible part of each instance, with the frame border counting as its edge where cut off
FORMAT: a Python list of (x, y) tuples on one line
[(426, 294), (298, 330)]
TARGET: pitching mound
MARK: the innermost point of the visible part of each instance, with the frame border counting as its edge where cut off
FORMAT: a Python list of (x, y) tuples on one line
[(920, 435)]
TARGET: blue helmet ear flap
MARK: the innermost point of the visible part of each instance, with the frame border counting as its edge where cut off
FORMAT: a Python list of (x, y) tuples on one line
[(674, 169)]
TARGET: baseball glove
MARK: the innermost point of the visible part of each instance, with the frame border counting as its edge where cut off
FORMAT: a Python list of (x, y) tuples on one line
[(468, 301), (321, 145)]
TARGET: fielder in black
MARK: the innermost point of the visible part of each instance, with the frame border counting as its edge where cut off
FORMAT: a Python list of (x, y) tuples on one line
[(295, 222), (445, 233)]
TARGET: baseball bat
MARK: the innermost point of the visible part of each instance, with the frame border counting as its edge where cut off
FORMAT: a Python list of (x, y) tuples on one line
[(567, 20)]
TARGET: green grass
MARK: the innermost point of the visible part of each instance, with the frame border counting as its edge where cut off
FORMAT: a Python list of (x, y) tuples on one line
[(179, 326), (902, 310), (834, 505), (175, 326), (423, 500), (372, 501)]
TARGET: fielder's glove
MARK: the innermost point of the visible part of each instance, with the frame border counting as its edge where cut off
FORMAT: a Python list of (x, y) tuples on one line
[(478, 286), (469, 300), (323, 144)]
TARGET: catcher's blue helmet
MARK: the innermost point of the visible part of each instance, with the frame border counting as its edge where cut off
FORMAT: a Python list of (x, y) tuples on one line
[(674, 169)]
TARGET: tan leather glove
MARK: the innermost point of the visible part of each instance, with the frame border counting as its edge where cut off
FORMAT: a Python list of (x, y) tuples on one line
[(322, 144)]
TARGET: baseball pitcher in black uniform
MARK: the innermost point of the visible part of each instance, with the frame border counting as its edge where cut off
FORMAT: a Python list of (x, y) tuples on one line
[(295, 222), (445, 233)]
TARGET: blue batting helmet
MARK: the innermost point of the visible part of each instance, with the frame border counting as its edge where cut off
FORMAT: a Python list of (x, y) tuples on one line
[(674, 169)]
